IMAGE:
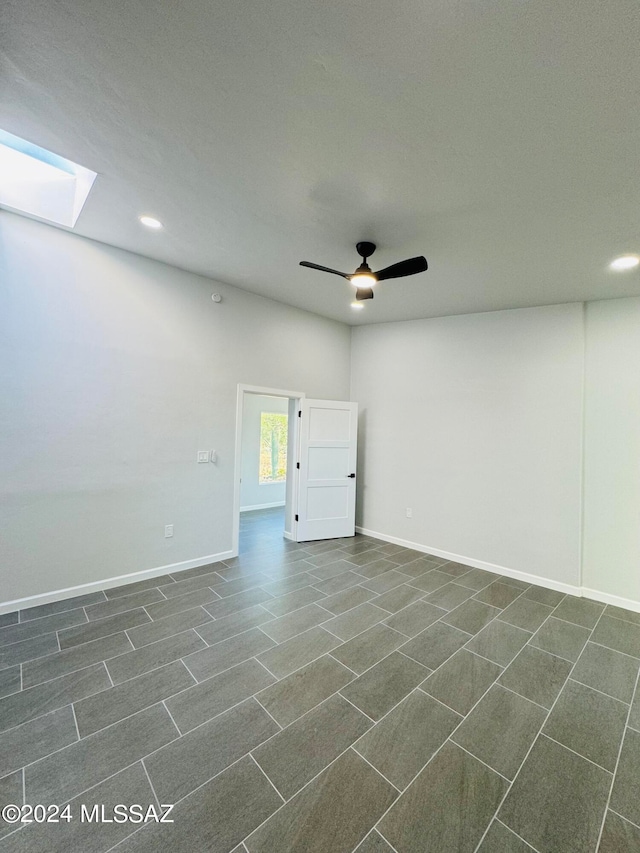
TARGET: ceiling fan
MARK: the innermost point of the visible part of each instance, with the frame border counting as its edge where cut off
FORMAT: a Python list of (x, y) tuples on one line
[(364, 278)]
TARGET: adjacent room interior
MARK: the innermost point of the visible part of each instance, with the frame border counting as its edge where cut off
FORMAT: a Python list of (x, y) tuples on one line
[(301, 560)]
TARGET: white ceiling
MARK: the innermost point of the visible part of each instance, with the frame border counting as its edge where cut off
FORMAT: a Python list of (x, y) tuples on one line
[(499, 138)]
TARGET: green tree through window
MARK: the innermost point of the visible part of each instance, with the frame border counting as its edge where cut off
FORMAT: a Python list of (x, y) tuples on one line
[(273, 447)]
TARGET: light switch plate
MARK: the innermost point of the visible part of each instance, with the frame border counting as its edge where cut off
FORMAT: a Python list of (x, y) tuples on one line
[(203, 456)]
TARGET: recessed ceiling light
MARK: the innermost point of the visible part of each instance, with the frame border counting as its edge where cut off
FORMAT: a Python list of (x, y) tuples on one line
[(357, 306), (150, 222), (40, 183), (625, 262)]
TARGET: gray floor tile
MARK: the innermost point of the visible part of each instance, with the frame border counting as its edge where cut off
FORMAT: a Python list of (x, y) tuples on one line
[(187, 574), (430, 581), (35, 701), (421, 566), (462, 680), (542, 595), (70, 771), (293, 757), (433, 646), (53, 607), (588, 723), (414, 618), (35, 739), (499, 839), (384, 685), (478, 578), (350, 624), (384, 582), (333, 813), (169, 626), (370, 571), (282, 587), (214, 659), (121, 605), (498, 594), (27, 650), (10, 794), (398, 597), (340, 602), (102, 628), (501, 729), (447, 807), (37, 627), (499, 641), (634, 714), (619, 836), (536, 675), (283, 629), (9, 680), (55, 665), (625, 797), (581, 611), (616, 634), (215, 695), (364, 557), (298, 693), (180, 767), (337, 584), (110, 706), (77, 836), (236, 623), (449, 596), (214, 818), (153, 656), (402, 743), (607, 670), (404, 556), (558, 800), (138, 586), (182, 587), (560, 638), (293, 601), (330, 569), (227, 606), (181, 603), (621, 613), (299, 651), (12, 618), (374, 843), (456, 570), (471, 616), (368, 648), (525, 613)]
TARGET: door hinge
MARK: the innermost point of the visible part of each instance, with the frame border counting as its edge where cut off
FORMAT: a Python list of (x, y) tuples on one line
[(297, 465), (296, 517)]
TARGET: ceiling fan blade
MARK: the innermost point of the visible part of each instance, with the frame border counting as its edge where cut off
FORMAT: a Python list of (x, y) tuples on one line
[(322, 269), (409, 267), (364, 293)]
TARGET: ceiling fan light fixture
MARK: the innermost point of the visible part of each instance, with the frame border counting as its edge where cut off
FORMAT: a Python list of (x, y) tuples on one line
[(625, 262), (363, 279)]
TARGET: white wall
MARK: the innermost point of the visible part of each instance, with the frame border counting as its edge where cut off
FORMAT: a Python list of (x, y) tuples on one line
[(612, 449), (114, 371), (252, 492), (475, 422)]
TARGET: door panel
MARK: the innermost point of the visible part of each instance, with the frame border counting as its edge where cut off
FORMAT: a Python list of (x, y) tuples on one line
[(328, 449)]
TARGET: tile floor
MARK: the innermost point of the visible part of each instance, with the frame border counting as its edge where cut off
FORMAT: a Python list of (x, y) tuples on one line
[(337, 696)]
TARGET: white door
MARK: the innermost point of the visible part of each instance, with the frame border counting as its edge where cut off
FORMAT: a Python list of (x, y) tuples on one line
[(327, 478)]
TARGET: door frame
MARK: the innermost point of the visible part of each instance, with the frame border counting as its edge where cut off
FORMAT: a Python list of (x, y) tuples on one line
[(292, 473)]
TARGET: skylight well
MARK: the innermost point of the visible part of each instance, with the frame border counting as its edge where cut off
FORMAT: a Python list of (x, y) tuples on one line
[(39, 183)]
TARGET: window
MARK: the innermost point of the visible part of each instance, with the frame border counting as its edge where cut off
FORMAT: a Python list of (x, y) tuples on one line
[(37, 182), (273, 447)]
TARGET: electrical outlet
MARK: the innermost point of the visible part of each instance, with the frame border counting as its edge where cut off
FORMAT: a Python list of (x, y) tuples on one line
[(168, 531), (409, 512), (203, 456)]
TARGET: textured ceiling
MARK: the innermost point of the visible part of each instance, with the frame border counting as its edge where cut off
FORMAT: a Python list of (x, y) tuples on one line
[(498, 138)]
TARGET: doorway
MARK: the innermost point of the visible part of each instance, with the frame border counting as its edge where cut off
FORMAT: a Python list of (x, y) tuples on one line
[(265, 485)]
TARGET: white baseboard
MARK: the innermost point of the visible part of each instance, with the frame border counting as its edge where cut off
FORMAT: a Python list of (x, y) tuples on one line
[(615, 600), (261, 506), (288, 535), (480, 564), (109, 583)]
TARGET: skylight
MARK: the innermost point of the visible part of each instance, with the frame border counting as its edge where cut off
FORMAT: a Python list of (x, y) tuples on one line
[(42, 184)]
